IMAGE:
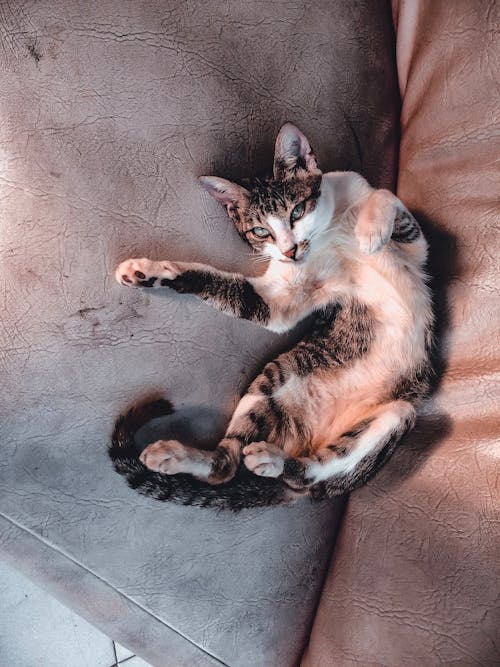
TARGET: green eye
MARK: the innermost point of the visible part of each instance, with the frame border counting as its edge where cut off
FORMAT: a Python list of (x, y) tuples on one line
[(260, 232), (298, 211)]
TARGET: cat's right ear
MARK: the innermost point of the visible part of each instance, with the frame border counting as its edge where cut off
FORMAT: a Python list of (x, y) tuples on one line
[(228, 194), (293, 153)]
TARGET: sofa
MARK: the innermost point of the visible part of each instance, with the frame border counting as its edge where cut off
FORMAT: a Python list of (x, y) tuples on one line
[(108, 113)]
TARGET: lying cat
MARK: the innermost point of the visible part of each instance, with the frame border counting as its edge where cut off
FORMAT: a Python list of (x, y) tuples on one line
[(324, 415)]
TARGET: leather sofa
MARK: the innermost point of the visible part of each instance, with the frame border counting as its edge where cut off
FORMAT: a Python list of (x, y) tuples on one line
[(108, 112)]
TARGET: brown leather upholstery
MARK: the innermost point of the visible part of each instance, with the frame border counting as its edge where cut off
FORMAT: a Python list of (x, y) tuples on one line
[(415, 577)]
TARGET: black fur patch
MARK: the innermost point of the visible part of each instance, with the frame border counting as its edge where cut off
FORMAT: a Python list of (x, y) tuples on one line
[(339, 449), (406, 228), (284, 169), (265, 388), (414, 386), (294, 473), (261, 424), (281, 374), (358, 429), (149, 282), (224, 462), (339, 334), (343, 445), (279, 417), (236, 294)]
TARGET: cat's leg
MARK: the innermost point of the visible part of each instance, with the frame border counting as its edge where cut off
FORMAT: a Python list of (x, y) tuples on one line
[(375, 222), (171, 457), (384, 217), (353, 455), (255, 418), (230, 293)]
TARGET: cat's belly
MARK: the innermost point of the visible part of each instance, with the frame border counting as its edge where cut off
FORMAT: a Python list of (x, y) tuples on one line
[(324, 406)]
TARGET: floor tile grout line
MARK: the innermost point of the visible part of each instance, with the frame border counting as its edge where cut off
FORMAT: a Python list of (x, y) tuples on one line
[(106, 583), (22, 599), (115, 653), (126, 659)]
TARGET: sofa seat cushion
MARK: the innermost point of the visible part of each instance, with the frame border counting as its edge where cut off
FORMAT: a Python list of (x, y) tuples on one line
[(108, 113)]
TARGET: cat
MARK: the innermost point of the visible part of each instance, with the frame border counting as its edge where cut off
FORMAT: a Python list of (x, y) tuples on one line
[(322, 417)]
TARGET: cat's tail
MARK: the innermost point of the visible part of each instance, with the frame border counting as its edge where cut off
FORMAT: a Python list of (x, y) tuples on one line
[(243, 491)]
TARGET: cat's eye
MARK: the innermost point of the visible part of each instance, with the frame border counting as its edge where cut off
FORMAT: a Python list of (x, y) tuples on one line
[(260, 232), (298, 211)]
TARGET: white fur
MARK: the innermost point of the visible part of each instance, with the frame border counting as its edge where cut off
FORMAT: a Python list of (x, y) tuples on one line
[(389, 280), (348, 255)]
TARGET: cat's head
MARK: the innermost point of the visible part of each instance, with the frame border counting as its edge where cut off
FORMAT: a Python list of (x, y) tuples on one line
[(276, 215)]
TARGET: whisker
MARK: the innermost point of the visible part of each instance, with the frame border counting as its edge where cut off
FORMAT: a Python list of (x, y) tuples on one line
[(260, 260), (316, 235)]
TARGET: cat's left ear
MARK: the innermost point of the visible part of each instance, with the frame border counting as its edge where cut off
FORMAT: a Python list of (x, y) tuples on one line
[(293, 152), (229, 194)]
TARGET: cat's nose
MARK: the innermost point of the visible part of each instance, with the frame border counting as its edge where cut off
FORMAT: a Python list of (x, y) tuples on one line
[(292, 252)]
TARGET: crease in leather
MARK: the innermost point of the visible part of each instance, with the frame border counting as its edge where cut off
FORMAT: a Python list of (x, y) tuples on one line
[(340, 522), (61, 552), (415, 580)]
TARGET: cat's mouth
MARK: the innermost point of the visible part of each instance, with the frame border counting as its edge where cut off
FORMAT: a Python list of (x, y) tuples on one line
[(300, 255), (297, 260)]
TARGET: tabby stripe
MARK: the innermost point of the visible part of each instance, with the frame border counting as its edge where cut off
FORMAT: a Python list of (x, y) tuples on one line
[(258, 425), (338, 335), (406, 228), (294, 473), (277, 413), (358, 429), (269, 375), (235, 294), (281, 374)]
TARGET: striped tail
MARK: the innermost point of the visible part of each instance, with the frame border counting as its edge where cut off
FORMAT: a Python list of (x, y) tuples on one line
[(245, 490)]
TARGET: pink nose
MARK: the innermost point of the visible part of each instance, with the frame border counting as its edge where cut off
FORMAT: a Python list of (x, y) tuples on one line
[(291, 253)]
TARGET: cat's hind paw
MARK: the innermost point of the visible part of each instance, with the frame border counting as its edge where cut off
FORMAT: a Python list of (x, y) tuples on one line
[(165, 456), (264, 459)]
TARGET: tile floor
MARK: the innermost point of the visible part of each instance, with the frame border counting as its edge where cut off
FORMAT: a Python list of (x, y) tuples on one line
[(38, 631)]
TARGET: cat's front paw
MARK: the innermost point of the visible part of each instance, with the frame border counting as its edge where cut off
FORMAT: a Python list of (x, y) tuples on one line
[(165, 456), (263, 459), (373, 235), (145, 272), (375, 222), (136, 273)]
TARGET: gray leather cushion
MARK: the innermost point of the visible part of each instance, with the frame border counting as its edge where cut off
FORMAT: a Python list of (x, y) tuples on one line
[(108, 112)]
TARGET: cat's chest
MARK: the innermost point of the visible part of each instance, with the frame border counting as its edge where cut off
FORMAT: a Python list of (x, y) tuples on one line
[(311, 293)]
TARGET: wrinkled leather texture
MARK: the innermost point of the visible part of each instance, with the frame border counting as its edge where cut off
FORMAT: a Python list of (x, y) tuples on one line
[(415, 575), (108, 112)]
